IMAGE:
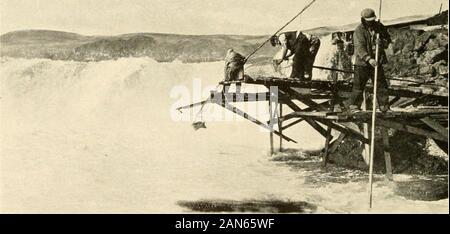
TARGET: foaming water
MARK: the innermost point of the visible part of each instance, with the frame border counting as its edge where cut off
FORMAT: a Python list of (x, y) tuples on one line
[(100, 137)]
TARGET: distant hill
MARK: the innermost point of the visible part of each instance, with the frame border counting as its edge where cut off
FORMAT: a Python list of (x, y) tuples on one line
[(162, 47), (40, 36)]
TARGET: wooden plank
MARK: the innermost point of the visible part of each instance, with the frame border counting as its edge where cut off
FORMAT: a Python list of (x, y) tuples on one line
[(315, 114), (436, 126), (411, 129), (387, 154), (396, 90), (244, 97)]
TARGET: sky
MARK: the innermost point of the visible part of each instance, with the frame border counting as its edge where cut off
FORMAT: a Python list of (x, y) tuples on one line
[(250, 17)]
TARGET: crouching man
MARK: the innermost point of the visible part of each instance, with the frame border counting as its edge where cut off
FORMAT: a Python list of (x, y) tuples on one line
[(234, 66), (304, 48)]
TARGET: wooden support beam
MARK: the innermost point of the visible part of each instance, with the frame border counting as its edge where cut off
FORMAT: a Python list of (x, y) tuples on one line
[(328, 138), (292, 124), (311, 122), (280, 127), (393, 101), (411, 129), (271, 126), (346, 129), (288, 117), (296, 92), (327, 146), (336, 143), (316, 126), (407, 102), (237, 111), (387, 154), (436, 126), (194, 104)]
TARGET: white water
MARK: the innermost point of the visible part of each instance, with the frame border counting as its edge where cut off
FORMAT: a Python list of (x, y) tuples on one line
[(98, 137)]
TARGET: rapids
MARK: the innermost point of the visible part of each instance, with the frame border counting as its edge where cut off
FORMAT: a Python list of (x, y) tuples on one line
[(104, 137)]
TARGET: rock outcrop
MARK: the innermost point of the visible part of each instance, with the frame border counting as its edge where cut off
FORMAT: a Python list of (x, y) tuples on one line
[(410, 154), (420, 54)]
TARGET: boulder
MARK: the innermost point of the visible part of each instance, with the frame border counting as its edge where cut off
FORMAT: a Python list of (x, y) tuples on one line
[(430, 57), (441, 68), (426, 70), (409, 155)]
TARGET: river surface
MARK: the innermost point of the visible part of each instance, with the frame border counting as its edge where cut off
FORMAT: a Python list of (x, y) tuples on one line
[(87, 137)]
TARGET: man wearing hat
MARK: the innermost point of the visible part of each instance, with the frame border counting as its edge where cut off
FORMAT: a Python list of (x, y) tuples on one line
[(302, 46), (364, 38)]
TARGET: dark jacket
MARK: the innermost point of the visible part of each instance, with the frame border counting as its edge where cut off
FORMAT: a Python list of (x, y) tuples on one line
[(291, 38), (365, 43), (298, 45)]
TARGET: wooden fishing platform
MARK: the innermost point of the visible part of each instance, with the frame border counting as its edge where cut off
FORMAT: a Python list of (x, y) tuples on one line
[(418, 109)]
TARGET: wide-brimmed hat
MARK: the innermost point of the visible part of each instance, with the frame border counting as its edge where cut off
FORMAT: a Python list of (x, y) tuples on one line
[(368, 14)]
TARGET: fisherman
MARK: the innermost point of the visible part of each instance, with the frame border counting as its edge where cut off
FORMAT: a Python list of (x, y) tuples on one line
[(365, 42), (234, 66), (303, 47)]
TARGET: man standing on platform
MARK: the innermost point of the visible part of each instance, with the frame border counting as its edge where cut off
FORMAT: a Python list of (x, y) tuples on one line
[(365, 43), (304, 48)]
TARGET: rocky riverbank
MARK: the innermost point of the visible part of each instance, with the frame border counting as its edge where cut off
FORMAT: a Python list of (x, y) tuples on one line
[(420, 54), (410, 154)]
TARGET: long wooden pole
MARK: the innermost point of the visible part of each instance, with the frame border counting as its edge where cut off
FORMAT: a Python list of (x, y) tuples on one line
[(271, 126), (366, 154), (279, 30), (374, 109)]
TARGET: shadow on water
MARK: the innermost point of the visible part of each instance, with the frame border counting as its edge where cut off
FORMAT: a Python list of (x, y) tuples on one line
[(430, 188), (256, 206), (310, 163), (411, 187)]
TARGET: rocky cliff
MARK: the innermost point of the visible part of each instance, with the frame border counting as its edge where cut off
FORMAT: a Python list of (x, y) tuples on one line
[(418, 53)]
